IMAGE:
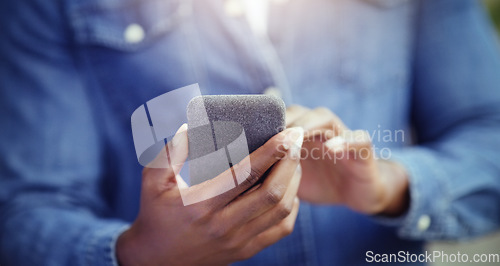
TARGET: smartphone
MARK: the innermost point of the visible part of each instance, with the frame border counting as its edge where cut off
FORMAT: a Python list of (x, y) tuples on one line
[(224, 129)]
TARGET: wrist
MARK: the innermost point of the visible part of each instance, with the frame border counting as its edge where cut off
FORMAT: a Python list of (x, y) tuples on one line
[(397, 195), (126, 249)]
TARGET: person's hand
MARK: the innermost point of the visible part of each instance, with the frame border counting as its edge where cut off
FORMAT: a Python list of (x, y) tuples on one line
[(230, 227), (339, 167)]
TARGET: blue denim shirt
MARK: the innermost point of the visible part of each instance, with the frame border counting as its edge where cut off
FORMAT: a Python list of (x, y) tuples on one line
[(70, 80)]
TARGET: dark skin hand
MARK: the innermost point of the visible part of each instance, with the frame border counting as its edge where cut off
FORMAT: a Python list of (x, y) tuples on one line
[(347, 173), (220, 230)]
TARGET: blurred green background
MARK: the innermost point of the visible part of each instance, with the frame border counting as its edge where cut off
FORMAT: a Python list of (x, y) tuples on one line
[(494, 9)]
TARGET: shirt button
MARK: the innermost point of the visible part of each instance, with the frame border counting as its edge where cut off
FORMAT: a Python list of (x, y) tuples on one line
[(272, 91), (234, 8), (134, 33), (424, 222)]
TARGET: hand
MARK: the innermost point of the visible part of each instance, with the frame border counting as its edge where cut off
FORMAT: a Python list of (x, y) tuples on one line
[(339, 167), (232, 226)]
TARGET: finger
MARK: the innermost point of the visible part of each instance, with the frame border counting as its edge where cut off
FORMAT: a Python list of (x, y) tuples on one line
[(247, 172), (270, 195), (318, 120), (293, 112), (351, 145), (276, 214), (272, 235), (172, 158)]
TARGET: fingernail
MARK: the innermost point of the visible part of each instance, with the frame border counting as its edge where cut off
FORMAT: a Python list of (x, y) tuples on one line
[(295, 135), (357, 136), (296, 139), (336, 143), (178, 139), (298, 170)]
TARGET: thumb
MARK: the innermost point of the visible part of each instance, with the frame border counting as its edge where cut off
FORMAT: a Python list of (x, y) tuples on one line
[(164, 170), (178, 150)]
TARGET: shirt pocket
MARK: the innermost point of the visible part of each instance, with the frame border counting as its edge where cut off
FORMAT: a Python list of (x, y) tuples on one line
[(125, 25), (375, 46), (129, 49)]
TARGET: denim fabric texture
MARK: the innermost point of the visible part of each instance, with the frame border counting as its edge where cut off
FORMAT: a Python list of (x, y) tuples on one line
[(70, 80)]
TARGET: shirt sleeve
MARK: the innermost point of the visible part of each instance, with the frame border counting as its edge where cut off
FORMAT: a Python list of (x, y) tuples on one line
[(454, 169), (51, 208)]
